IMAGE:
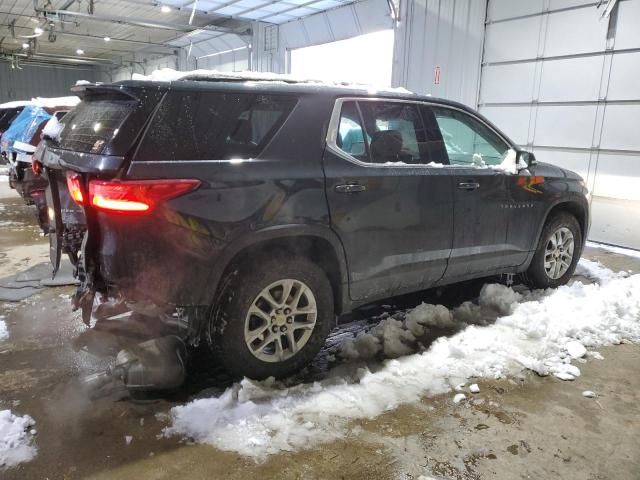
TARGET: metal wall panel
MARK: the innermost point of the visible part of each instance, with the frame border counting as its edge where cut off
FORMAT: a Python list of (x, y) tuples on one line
[(438, 48), (514, 120), (498, 87), (501, 9), (584, 108), (569, 126), (570, 80), (628, 28), (575, 31), (513, 40), (624, 81), (36, 81), (618, 177), (621, 128)]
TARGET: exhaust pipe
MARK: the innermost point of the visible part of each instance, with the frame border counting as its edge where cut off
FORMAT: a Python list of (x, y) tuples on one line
[(157, 364)]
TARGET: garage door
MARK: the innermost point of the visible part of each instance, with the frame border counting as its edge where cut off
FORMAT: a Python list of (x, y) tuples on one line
[(565, 83)]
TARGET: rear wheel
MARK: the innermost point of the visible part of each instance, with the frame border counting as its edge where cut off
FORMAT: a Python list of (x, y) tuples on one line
[(272, 317), (557, 253)]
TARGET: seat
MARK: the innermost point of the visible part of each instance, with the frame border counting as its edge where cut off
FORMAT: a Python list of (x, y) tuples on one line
[(386, 146)]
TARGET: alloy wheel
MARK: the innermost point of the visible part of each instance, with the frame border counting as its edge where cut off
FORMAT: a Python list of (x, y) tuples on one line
[(558, 253), (280, 320)]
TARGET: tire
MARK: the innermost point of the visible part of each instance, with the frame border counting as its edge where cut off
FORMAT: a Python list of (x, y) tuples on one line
[(537, 275), (226, 329)]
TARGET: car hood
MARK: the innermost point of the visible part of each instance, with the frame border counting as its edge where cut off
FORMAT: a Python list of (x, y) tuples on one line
[(553, 171)]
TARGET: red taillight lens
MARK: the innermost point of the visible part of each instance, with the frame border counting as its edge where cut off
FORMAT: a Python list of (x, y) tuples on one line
[(136, 196), (36, 166), (75, 188)]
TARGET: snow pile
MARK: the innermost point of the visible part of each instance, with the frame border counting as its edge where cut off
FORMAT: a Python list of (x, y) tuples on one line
[(596, 271), (536, 331), (4, 333), (15, 441), (171, 75), (52, 129)]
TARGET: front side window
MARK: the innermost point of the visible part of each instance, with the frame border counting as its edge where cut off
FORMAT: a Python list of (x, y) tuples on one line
[(468, 141)]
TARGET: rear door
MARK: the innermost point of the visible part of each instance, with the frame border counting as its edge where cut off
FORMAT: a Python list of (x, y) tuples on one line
[(481, 217), (391, 209)]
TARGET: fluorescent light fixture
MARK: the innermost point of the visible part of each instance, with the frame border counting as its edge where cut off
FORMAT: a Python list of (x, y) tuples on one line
[(222, 52), (80, 51), (25, 45), (165, 9), (107, 39)]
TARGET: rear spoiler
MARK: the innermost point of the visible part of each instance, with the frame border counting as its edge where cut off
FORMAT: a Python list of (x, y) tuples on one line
[(113, 91)]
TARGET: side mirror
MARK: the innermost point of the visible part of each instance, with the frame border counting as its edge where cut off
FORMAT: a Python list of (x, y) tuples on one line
[(525, 159)]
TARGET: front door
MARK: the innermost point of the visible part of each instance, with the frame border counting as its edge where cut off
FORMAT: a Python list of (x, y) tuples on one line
[(392, 212), (481, 176)]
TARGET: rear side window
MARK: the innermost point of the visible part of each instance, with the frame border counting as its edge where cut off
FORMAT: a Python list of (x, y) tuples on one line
[(386, 132), (214, 126), (90, 126), (350, 138)]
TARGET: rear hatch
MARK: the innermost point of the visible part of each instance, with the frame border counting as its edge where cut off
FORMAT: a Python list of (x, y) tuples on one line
[(94, 141)]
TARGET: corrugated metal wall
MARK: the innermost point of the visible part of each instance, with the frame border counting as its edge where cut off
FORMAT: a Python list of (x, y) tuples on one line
[(564, 82), (438, 48), (34, 81)]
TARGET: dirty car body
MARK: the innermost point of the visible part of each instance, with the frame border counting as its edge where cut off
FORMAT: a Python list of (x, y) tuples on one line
[(163, 193)]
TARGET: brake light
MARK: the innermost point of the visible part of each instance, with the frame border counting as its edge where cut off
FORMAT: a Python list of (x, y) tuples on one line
[(136, 196), (75, 188), (36, 166)]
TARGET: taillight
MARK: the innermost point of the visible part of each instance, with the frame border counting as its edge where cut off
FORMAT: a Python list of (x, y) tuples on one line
[(36, 166), (136, 196), (75, 188)]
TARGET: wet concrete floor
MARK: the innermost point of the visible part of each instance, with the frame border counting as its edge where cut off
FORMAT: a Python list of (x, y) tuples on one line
[(530, 427)]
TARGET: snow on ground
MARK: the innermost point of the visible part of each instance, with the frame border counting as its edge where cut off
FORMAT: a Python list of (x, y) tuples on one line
[(15, 439), (504, 333), (4, 333)]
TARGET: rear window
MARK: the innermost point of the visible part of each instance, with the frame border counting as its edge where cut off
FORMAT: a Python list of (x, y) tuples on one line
[(214, 125), (7, 116), (90, 126)]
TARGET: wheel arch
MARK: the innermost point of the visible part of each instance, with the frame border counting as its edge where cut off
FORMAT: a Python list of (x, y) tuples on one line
[(320, 244), (574, 207)]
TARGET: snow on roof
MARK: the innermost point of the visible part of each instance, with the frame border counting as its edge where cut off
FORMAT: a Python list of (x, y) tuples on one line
[(171, 75), (15, 104), (71, 101)]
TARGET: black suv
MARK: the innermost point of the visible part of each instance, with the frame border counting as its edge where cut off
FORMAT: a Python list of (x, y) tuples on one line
[(252, 213)]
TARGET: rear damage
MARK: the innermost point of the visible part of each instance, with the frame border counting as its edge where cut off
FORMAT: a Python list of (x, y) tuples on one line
[(137, 259)]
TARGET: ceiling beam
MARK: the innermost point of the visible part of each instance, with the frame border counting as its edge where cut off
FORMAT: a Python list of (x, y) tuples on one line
[(138, 22), (97, 37)]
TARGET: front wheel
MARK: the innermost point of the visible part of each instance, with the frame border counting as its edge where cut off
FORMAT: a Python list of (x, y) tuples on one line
[(272, 316), (557, 253)]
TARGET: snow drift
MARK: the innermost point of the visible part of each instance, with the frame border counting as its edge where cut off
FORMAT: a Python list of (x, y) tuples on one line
[(504, 333), (15, 439)]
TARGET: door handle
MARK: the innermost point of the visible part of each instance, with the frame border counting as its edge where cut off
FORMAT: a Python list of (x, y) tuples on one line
[(350, 188), (468, 185)]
